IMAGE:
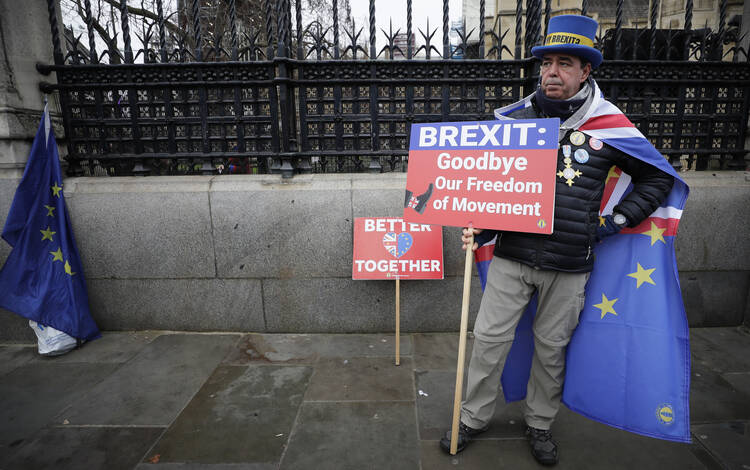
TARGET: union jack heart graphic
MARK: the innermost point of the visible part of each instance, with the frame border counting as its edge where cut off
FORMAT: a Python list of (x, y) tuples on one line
[(397, 244)]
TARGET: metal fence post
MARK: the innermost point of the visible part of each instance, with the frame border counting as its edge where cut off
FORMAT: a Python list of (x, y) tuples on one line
[(533, 12), (90, 29), (519, 25), (445, 107), (652, 21), (338, 119), (374, 166), (287, 113), (272, 94)]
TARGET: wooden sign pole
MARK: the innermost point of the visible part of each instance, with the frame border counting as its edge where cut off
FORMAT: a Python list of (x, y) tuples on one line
[(398, 321), (462, 347)]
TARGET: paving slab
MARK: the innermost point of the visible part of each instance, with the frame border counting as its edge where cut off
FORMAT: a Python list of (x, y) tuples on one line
[(574, 454), (154, 386), (370, 345), (14, 356), (439, 351), (34, 394), (336, 400), (480, 455), (258, 348), (113, 347), (361, 378), (241, 415), (624, 451), (75, 448), (15, 328), (586, 440), (740, 381), (206, 466), (720, 349), (361, 435), (436, 409), (728, 442), (571, 430), (714, 399)]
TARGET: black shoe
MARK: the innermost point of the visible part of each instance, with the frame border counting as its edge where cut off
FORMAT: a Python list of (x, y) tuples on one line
[(407, 198), (418, 203), (465, 433), (543, 448)]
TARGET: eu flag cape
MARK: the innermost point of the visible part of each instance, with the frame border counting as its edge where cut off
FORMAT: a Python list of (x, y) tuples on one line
[(628, 362), (42, 279)]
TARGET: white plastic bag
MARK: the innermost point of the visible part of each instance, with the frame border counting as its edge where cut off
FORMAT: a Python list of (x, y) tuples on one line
[(52, 342)]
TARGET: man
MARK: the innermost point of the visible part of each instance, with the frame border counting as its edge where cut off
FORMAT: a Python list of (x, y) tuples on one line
[(555, 267)]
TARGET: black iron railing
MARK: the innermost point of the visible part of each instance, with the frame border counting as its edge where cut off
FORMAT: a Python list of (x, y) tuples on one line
[(296, 100)]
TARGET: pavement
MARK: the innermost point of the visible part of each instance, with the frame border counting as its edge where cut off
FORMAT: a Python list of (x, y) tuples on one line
[(151, 400)]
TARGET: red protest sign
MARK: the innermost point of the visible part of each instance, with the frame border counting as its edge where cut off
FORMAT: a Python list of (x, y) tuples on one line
[(493, 174), (387, 247)]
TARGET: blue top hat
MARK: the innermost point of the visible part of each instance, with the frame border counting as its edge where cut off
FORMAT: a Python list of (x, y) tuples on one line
[(571, 34)]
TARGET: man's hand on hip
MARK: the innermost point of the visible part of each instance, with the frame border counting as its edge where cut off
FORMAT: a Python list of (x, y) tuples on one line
[(612, 224)]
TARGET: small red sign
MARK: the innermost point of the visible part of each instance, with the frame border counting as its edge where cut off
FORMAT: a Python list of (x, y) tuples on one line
[(490, 174), (388, 247)]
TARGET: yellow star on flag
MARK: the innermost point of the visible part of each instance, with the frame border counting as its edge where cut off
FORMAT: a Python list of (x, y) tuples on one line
[(47, 234), (68, 269), (656, 234), (612, 174), (606, 306), (642, 275), (56, 190), (50, 210), (601, 221), (57, 255)]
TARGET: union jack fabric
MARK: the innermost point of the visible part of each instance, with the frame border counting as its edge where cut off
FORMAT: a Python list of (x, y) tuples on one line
[(390, 243), (628, 363)]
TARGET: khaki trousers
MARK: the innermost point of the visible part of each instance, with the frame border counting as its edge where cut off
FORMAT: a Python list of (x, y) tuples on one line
[(510, 286)]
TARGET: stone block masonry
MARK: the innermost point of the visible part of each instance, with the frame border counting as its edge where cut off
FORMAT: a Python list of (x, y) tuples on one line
[(258, 253)]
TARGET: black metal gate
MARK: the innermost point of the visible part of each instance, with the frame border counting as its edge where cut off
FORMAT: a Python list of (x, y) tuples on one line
[(306, 101)]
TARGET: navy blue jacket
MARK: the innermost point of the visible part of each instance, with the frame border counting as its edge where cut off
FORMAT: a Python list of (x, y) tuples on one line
[(570, 247)]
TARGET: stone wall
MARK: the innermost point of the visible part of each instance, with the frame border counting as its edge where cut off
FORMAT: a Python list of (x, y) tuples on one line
[(25, 40), (257, 253)]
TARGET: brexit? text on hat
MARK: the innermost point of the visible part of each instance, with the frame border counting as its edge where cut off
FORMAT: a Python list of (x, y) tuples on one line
[(571, 34)]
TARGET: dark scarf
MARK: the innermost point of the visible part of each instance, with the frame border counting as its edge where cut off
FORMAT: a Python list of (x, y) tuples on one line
[(562, 109)]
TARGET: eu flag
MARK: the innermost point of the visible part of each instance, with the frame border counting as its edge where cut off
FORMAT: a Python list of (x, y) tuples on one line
[(42, 279)]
